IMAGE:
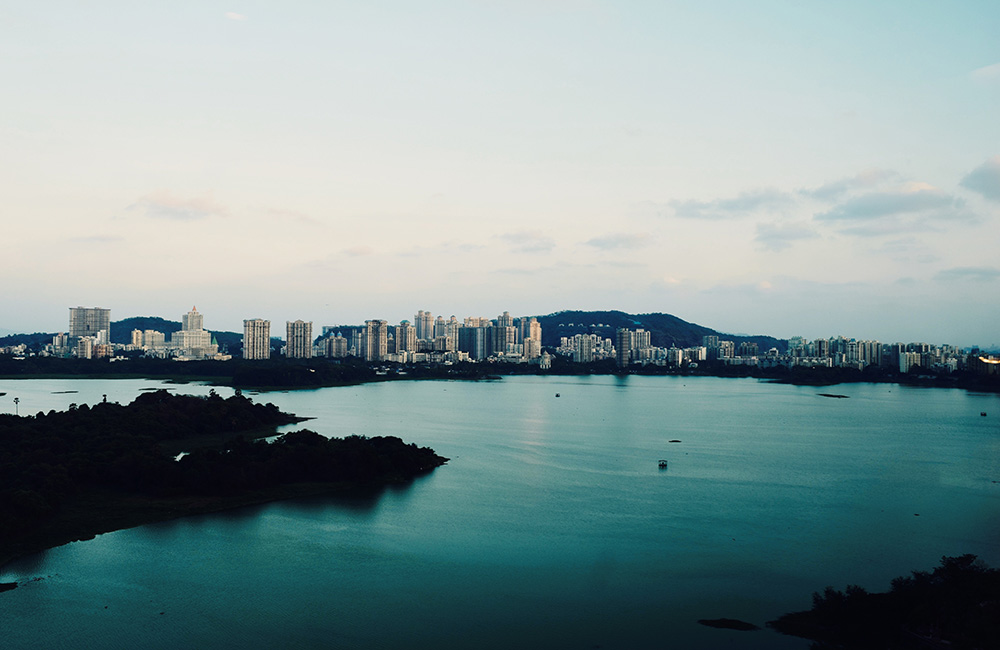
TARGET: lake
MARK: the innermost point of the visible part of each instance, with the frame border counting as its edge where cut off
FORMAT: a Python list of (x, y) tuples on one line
[(552, 526)]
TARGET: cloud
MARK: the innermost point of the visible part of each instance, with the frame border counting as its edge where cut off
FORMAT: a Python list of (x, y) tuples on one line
[(745, 203), (528, 241), (164, 205), (620, 240), (864, 180), (232, 15), (985, 179), (913, 197), (358, 251), (912, 207), (972, 273), (779, 236), (986, 74)]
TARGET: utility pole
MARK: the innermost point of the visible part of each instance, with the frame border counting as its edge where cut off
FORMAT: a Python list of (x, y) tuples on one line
[(17, 400)]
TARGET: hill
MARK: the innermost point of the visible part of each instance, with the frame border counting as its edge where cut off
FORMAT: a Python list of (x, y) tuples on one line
[(665, 330)]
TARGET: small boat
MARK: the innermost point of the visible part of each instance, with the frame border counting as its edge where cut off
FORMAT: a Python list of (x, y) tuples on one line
[(557, 394), (663, 464), (983, 413)]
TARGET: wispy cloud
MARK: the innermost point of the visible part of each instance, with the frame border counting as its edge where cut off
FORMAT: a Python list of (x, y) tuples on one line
[(620, 240), (165, 205), (744, 204), (358, 251), (985, 179), (526, 241), (779, 236), (973, 273), (865, 180), (987, 73), (913, 197), (232, 15)]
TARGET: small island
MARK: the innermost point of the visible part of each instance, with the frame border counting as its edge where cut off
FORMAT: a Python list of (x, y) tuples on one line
[(71, 475)]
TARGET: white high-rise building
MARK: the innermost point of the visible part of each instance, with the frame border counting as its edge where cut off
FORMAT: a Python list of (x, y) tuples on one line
[(89, 321), (424, 322), (298, 343), (256, 339), (192, 341), (192, 320)]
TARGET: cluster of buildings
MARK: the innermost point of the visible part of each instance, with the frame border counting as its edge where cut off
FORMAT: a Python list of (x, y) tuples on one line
[(501, 339), (634, 347), (89, 337), (426, 339)]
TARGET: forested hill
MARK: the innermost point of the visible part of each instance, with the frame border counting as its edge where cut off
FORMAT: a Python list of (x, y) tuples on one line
[(665, 330)]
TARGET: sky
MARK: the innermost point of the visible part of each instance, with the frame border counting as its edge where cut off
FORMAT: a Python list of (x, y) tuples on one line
[(783, 168)]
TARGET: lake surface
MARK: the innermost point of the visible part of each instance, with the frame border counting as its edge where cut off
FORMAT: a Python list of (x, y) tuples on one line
[(552, 525)]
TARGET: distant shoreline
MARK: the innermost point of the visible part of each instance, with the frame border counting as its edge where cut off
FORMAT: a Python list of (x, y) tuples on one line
[(283, 376)]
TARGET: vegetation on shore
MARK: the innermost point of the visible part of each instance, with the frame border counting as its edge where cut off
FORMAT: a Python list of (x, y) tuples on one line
[(957, 605), (73, 474)]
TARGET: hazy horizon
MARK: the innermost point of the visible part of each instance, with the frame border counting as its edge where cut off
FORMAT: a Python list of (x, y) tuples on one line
[(766, 168)]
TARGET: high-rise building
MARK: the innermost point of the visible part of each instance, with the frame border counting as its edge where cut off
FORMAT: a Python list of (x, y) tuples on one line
[(256, 339), (623, 347), (192, 341), (406, 337), (473, 341), (192, 320), (298, 340), (336, 347), (451, 331), (424, 322), (584, 351), (89, 321), (376, 340), (503, 338)]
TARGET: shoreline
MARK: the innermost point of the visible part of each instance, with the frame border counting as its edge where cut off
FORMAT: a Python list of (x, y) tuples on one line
[(968, 383)]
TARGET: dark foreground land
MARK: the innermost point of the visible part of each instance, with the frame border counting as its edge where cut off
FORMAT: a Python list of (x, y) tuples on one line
[(70, 475), (957, 606)]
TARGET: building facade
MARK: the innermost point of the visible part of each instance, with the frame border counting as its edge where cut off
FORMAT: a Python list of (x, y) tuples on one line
[(298, 341), (256, 339), (90, 321)]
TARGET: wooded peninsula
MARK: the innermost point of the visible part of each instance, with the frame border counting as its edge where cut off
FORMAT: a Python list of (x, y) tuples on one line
[(70, 475)]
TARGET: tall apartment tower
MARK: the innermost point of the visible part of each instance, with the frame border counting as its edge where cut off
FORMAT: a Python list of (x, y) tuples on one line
[(90, 321), (192, 321), (376, 340), (406, 337), (623, 347), (584, 350), (424, 322), (298, 340), (256, 339)]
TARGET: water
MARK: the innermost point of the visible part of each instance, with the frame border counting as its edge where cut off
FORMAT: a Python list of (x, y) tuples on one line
[(552, 525)]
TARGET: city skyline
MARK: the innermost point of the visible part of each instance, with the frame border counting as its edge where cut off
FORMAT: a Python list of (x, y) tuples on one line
[(760, 169)]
